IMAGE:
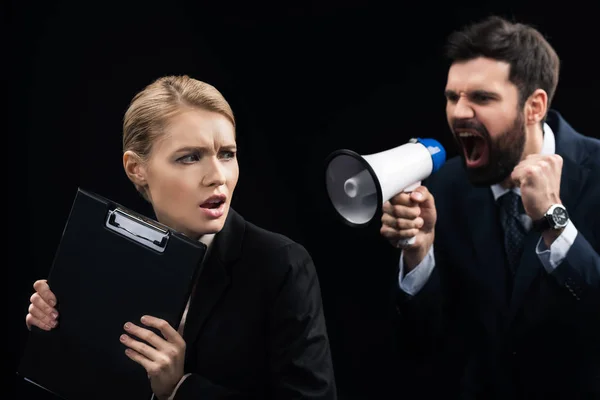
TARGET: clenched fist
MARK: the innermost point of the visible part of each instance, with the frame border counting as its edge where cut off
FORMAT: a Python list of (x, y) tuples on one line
[(538, 177), (409, 215)]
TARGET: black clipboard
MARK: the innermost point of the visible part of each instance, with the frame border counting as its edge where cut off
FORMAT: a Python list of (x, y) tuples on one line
[(112, 265)]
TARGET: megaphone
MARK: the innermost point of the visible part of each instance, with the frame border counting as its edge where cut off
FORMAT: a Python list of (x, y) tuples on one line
[(359, 185)]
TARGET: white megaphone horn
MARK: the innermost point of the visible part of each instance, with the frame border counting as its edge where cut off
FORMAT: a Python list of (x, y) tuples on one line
[(359, 185)]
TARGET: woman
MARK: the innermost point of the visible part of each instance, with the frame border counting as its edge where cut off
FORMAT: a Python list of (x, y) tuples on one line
[(254, 325)]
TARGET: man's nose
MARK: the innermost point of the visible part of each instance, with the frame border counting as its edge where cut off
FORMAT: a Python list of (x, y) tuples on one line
[(463, 109)]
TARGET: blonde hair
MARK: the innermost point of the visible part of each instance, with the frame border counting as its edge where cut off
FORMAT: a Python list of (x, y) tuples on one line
[(151, 110)]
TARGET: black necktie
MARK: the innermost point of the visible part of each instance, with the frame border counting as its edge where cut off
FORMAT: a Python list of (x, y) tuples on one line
[(514, 232)]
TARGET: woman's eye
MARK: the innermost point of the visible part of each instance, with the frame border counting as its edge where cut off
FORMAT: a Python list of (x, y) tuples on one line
[(190, 158), (228, 154)]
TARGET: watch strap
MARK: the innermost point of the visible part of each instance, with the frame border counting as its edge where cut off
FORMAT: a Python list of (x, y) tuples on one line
[(541, 224)]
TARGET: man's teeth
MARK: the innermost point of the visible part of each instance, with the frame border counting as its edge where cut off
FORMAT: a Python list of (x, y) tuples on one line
[(467, 134)]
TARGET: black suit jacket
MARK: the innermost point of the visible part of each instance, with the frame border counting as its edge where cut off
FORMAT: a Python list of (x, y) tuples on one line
[(255, 326), (475, 332)]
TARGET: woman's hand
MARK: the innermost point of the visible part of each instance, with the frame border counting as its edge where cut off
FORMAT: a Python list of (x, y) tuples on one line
[(41, 311), (162, 358)]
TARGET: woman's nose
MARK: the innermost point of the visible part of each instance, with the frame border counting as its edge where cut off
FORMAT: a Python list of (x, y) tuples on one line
[(215, 175)]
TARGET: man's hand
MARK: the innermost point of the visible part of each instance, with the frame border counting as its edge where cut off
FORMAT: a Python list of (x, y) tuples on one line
[(163, 359), (409, 215), (538, 176)]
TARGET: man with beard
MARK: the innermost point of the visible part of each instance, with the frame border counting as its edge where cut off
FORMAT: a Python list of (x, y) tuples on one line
[(499, 296)]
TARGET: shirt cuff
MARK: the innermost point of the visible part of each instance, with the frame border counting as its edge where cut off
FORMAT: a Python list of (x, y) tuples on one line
[(414, 281), (172, 396), (553, 256)]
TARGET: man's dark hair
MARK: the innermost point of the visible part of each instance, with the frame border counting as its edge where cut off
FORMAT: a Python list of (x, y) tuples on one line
[(534, 64)]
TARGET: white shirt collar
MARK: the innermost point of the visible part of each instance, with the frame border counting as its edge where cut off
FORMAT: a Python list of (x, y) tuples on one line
[(207, 239), (548, 147)]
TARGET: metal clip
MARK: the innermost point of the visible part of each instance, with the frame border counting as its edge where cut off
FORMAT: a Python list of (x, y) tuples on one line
[(138, 228)]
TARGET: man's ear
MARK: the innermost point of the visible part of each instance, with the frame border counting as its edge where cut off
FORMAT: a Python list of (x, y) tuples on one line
[(536, 107), (135, 169)]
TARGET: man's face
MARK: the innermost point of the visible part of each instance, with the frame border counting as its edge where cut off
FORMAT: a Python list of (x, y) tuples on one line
[(483, 112)]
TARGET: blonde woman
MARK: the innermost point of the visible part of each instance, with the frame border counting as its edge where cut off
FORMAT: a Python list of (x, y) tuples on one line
[(254, 325)]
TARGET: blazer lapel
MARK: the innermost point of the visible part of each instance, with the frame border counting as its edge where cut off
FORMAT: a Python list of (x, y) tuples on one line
[(483, 221), (572, 180), (215, 276), (529, 267)]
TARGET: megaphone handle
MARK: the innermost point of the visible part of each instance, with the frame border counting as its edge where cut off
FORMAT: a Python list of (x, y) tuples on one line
[(406, 242), (411, 240)]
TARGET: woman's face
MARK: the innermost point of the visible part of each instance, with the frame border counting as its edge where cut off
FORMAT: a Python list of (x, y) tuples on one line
[(192, 172)]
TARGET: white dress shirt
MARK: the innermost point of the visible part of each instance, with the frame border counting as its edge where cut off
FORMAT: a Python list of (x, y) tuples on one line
[(207, 240)]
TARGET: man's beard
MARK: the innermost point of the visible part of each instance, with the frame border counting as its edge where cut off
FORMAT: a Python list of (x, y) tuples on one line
[(504, 152)]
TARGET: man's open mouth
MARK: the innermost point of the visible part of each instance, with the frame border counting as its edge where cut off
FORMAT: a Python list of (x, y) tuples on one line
[(475, 148)]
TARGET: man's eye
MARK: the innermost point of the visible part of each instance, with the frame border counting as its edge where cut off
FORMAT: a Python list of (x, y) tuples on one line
[(481, 98)]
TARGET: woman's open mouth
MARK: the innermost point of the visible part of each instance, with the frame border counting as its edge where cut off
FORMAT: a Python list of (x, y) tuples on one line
[(214, 206)]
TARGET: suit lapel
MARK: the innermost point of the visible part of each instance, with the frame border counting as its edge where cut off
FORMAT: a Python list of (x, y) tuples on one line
[(529, 267), (483, 221), (572, 180), (215, 276)]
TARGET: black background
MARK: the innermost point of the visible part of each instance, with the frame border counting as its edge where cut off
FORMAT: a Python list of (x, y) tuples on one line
[(303, 78)]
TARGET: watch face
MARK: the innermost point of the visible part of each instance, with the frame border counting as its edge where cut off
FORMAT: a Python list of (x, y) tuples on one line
[(560, 217)]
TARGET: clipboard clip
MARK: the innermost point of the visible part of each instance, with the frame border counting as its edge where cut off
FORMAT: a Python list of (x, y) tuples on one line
[(135, 227)]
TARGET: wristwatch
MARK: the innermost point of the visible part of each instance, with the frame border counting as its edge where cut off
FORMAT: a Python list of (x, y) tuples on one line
[(556, 217)]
